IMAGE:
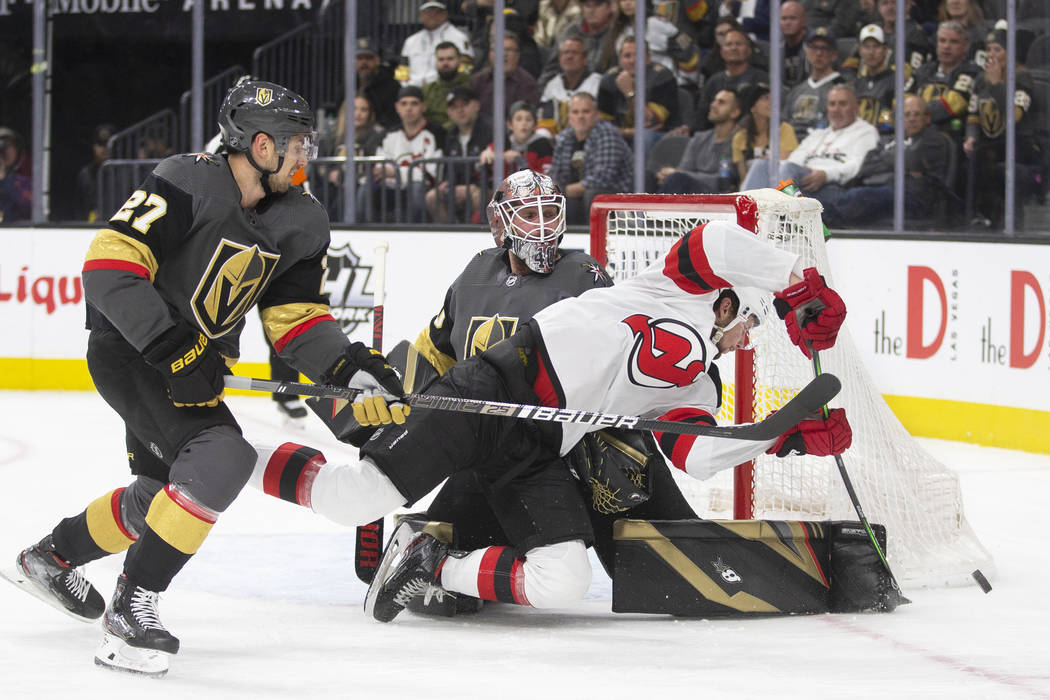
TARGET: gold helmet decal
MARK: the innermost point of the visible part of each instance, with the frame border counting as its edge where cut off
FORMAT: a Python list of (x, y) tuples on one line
[(263, 96), (233, 282)]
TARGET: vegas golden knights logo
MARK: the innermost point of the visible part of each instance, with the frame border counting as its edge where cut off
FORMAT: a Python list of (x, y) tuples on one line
[(992, 122), (263, 96), (235, 277), (485, 331)]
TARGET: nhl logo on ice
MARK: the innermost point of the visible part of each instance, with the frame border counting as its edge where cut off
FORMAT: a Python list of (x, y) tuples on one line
[(264, 96)]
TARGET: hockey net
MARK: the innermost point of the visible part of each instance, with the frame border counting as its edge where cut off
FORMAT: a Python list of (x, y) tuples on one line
[(918, 499)]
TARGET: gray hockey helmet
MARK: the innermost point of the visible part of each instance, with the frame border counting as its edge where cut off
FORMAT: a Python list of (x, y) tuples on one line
[(252, 106)]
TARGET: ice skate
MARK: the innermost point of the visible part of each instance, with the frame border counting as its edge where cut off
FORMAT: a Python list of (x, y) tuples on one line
[(293, 412), (409, 568), (40, 571), (135, 640)]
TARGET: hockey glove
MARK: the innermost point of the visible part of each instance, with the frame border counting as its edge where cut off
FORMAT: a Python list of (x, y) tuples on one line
[(812, 312), (817, 437), (366, 370), (192, 368), (614, 466)]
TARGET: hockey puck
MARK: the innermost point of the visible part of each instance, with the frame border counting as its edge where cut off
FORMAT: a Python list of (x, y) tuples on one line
[(981, 581)]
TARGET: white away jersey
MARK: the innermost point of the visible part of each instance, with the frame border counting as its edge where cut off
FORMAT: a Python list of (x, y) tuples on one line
[(643, 347)]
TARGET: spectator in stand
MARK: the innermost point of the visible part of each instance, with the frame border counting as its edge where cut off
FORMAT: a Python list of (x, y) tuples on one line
[(375, 80), (435, 94), (946, 83), (805, 107), (969, 14), (575, 76), (554, 17), (87, 178), (917, 46), (751, 140), (529, 55), (590, 158), (526, 148), (828, 158), (712, 62), (793, 28), (470, 134), (368, 136), (418, 49), (16, 189), (737, 75), (986, 135), (519, 85), (705, 164), (668, 44), (616, 96), (416, 140), (596, 27), (870, 197), (874, 82), (840, 17)]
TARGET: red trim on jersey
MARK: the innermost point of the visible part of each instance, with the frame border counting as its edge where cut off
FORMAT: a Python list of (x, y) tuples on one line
[(682, 444), (543, 386), (275, 467), (195, 509), (299, 330), (487, 573), (947, 106), (517, 582), (121, 265), (306, 480), (114, 507), (690, 269)]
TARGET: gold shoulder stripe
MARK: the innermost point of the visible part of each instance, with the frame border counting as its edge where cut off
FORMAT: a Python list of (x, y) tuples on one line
[(113, 245), (279, 320)]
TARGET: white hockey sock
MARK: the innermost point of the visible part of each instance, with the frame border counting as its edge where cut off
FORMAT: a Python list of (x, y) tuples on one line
[(551, 576)]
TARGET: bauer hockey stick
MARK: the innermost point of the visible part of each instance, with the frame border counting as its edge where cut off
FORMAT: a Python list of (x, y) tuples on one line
[(370, 537), (808, 401), (848, 483)]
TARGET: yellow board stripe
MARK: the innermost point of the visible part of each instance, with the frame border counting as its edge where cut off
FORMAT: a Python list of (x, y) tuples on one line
[(175, 525), (962, 421), (103, 527)]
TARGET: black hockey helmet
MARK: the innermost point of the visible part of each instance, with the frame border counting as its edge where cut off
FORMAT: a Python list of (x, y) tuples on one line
[(254, 105)]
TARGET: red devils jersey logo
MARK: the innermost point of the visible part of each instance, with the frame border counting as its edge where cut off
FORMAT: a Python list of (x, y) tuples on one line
[(666, 353)]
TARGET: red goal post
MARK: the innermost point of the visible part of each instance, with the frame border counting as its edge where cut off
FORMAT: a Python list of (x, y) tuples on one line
[(900, 485)]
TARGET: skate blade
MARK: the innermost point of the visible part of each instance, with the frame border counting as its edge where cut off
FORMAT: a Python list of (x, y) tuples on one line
[(116, 654), (17, 576), (402, 537)]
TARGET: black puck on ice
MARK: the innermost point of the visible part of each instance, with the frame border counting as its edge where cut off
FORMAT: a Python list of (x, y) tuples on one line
[(981, 581)]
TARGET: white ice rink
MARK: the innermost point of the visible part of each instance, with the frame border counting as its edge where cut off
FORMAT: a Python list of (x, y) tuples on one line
[(270, 607)]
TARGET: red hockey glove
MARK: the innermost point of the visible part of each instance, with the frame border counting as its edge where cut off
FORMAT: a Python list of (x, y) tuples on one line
[(812, 312), (193, 370), (817, 437)]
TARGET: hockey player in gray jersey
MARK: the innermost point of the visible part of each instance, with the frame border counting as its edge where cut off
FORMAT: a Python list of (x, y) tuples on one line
[(643, 347), (168, 282)]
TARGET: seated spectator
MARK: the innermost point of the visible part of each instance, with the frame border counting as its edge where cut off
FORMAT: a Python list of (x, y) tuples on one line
[(530, 57), (554, 17), (793, 29), (708, 153), (917, 46), (751, 140), (575, 76), (16, 189), (435, 94), (519, 85), (737, 76), (969, 14), (874, 82), (870, 196), (418, 49), (668, 44), (368, 136), (375, 80), (986, 135), (525, 146), (616, 96), (946, 82), (471, 132), (590, 158), (87, 177), (595, 25), (805, 107), (840, 17), (828, 158), (416, 140)]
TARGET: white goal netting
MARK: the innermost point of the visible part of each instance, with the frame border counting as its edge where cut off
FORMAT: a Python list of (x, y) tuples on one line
[(898, 484)]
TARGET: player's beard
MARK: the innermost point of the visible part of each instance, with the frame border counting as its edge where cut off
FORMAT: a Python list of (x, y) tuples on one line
[(279, 182)]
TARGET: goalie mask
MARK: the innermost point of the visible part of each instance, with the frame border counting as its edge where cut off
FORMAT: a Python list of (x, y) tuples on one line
[(753, 310), (527, 216)]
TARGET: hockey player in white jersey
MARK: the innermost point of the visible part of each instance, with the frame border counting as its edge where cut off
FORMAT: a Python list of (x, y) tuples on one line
[(644, 347)]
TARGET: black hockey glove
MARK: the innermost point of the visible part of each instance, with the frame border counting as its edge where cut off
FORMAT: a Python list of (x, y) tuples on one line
[(365, 369), (192, 368), (614, 468)]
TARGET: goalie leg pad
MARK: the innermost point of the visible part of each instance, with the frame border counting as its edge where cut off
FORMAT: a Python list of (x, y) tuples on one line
[(859, 580)]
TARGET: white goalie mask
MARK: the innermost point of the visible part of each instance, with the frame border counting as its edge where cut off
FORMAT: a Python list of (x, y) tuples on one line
[(754, 311), (527, 216)]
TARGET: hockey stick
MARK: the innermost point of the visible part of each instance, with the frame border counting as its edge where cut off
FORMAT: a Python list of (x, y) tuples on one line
[(369, 544), (814, 395), (848, 483)]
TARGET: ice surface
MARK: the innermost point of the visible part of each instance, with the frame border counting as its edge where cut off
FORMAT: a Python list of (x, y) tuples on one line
[(270, 607)]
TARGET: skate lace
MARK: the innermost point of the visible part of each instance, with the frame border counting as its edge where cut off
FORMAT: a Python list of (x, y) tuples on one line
[(410, 590), (434, 592), (144, 609), (77, 584)]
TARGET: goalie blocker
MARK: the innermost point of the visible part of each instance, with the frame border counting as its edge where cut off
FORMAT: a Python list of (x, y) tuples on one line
[(730, 568)]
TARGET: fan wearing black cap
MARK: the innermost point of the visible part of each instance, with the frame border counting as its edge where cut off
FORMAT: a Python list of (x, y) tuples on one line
[(806, 106), (87, 195), (470, 134)]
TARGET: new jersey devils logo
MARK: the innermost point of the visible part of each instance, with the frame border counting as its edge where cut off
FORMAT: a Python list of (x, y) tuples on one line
[(666, 353)]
